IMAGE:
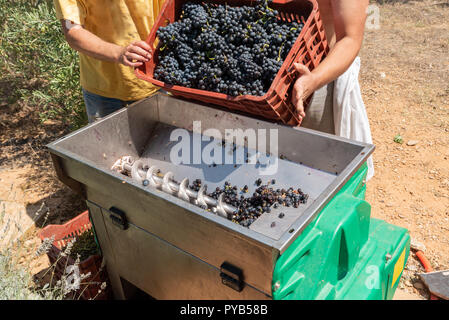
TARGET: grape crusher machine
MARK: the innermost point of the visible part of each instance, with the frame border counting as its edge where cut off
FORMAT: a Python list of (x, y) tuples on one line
[(173, 242)]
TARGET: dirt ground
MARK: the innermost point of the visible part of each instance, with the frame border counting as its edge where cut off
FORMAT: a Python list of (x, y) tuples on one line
[(405, 85), (31, 196)]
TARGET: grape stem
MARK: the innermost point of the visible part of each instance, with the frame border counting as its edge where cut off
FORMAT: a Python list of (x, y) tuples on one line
[(280, 50)]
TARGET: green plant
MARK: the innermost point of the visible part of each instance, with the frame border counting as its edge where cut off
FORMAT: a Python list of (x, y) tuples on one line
[(15, 282), (84, 246), (398, 139), (70, 284), (37, 66)]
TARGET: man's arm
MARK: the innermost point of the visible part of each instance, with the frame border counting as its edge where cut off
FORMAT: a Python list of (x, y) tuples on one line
[(81, 40), (349, 21)]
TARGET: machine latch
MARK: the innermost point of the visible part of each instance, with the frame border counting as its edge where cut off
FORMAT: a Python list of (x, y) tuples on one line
[(231, 276), (118, 218)]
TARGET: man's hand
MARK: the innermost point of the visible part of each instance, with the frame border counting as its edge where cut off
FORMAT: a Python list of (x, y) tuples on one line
[(135, 54), (304, 86)]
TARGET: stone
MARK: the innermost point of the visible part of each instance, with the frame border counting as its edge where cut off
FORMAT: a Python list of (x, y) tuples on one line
[(412, 143), (418, 246), (412, 268), (419, 285)]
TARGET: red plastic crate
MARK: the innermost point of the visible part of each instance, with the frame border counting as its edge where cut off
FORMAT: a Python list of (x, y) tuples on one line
[(309, 49), (65, 233)]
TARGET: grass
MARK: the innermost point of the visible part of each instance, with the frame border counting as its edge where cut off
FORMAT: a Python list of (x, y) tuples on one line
[(38, 71), (15, 282), (37, 66), (52, 283)]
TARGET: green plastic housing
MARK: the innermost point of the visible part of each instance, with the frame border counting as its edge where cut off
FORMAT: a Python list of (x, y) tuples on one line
[(343, 253)]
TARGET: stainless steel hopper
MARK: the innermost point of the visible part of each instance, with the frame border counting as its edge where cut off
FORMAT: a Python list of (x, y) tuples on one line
[(170, 247)]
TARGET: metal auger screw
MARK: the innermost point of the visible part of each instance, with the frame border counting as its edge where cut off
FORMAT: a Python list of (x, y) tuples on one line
[(198, 196)]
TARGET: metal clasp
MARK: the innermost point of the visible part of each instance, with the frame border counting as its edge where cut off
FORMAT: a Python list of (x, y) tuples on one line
[(231, 276), (118, 218)]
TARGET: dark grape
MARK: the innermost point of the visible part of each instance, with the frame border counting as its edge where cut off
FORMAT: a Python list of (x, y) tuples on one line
[(263, 200), (219, 48)]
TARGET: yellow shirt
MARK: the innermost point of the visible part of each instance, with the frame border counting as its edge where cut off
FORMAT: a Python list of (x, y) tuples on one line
[(116, 21)]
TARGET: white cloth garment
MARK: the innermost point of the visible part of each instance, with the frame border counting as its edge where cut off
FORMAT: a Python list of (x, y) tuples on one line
[(350, 117)]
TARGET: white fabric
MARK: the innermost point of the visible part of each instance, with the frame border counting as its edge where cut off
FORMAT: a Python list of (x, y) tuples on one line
[(350, 117)]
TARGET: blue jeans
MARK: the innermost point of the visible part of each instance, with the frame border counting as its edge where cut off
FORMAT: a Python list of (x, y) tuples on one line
[(98, 107)]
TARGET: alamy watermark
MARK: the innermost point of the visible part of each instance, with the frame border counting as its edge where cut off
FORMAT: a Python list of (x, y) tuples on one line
[(237, 147), (373, 279)]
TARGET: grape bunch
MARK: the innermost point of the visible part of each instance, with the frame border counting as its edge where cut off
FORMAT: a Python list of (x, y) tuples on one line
[(230, 50)]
